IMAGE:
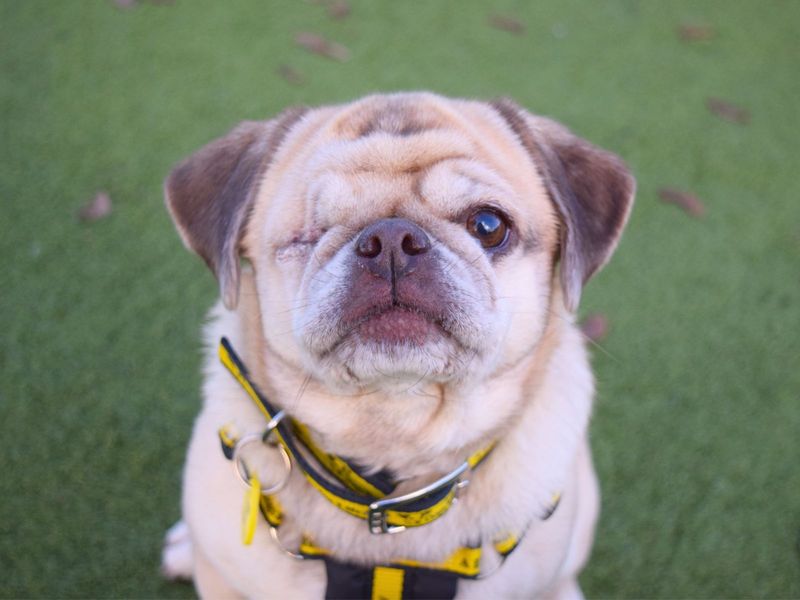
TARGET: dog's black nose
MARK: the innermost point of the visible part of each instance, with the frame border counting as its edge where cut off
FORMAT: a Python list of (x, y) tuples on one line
[(390, 248)]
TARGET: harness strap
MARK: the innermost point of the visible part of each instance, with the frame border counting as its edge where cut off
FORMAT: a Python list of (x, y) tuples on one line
[(403, 578), (398, 579), (464, 562), (347, 581), (362, 490)]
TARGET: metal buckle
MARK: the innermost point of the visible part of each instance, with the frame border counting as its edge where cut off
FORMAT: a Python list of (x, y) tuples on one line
[(241, 468), (376, 517)]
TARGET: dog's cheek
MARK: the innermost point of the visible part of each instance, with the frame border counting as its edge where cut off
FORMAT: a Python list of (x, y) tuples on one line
[(319, 298), (278, 276), (524, 293), (470, 288), (275, 286)]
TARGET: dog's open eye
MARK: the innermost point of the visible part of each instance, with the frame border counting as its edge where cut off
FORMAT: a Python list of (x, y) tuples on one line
[(488, 227)]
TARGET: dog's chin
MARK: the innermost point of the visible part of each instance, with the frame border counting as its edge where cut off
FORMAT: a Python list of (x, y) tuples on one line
[(397, 326), (394, 349)]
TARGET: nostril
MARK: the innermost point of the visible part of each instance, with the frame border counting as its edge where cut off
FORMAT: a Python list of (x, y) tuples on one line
[(369, 246), (414, 244)]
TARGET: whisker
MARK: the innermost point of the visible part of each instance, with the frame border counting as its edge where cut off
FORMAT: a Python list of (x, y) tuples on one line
[(586, 337), (417, 382), (300, 392)]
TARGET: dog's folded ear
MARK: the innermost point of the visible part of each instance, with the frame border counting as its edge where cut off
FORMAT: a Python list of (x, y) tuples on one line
[(211, 193), (591, 188)]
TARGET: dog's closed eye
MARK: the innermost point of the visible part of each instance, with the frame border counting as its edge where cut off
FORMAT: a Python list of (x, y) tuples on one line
[(300, 245)]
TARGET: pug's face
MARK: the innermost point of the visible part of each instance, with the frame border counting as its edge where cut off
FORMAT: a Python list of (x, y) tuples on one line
[(403, 238)]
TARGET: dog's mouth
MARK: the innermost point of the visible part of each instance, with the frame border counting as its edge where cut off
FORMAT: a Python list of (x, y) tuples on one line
[(397, 325), (370, 328)]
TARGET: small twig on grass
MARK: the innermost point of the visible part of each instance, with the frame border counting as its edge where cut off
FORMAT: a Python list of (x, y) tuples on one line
[(728, 111), (689, 32), (319, 45), (97, 208), (685, 200), (508, 24)]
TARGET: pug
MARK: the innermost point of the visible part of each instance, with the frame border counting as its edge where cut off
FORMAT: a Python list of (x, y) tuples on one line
[(399, 408)]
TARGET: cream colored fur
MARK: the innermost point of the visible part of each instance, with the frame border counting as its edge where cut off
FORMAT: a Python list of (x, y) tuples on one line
[(517, 371)]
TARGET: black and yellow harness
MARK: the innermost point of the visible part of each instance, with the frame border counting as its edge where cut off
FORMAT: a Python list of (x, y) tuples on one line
[(361, 494)]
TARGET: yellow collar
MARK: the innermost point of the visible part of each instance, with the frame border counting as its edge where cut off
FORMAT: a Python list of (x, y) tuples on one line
[(360, 495)]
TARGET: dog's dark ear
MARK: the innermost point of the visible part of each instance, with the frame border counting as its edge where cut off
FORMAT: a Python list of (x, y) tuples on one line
[(211, 193), (591, 188)]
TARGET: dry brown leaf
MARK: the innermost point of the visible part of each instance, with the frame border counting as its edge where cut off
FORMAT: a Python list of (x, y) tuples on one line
[(97, 208), (128, 4), (685, 200), (689, 32), (729, 112), (319, 45), (509, 24), (595, 327), (339, 9), (291, 75)]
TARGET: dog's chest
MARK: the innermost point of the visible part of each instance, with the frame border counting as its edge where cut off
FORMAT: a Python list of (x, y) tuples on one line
[(509, 492)]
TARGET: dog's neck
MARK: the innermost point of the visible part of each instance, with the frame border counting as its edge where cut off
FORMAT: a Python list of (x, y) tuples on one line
[(421, 431)]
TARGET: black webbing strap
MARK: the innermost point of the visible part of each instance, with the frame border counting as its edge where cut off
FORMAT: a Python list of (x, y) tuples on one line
[(347, 581)]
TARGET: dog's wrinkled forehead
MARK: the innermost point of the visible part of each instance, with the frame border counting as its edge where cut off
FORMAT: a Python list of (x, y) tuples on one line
[(393, 139), (407, 157), (401, 117)]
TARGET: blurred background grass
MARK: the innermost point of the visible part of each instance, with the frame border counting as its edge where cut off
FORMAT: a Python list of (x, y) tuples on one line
[(697, 421)]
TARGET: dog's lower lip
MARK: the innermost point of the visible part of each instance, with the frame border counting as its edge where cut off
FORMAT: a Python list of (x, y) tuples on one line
[(397, 325)]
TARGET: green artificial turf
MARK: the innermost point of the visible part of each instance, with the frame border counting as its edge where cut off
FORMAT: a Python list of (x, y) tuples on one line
[(697, 424)]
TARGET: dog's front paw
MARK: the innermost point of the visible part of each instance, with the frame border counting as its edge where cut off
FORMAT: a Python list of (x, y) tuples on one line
[(176, 556)]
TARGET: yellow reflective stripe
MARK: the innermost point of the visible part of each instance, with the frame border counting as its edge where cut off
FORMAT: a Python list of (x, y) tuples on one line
[(250, 510), (340, 469), (476, 458), (308, 548), (387, 583), (226, 436), (505, 546), (354, 508), (271, 509), (424, 516), (226, 359), (464, 561)]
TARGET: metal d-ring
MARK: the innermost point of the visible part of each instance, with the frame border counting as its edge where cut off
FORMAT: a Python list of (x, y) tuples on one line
[(241, 468), (273, 532)]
